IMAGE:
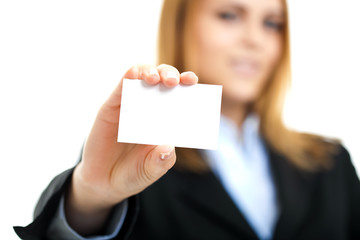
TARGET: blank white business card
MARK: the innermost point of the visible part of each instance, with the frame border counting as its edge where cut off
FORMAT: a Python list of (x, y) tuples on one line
[(183, 116)]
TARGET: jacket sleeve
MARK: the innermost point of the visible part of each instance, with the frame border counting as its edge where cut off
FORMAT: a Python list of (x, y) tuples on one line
[(48, 205), (60, 229), (46, 208), (353, 184)]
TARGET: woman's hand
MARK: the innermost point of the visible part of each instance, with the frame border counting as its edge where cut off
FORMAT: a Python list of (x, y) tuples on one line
[(110, 171)]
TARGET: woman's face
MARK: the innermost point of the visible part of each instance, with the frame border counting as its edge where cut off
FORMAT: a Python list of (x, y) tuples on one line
[(238, 43)]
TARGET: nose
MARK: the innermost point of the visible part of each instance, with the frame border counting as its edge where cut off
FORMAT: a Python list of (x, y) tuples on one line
[(252, 35)]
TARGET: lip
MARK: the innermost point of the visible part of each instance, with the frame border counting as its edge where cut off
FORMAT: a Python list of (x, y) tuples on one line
[(245, 67)]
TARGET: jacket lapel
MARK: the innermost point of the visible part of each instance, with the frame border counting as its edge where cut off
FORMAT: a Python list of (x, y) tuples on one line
[(206, 194), (294, 191)]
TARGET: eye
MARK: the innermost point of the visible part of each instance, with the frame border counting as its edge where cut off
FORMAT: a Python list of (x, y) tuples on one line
[(273, 25), (228, 16)]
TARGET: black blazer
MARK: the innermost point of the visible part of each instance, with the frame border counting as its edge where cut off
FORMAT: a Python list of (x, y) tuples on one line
[(185, 205)]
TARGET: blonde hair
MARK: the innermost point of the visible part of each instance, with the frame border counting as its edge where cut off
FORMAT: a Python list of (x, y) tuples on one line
[(305, 151)]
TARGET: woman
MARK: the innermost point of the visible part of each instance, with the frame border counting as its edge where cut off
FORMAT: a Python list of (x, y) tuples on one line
[(264, 181)]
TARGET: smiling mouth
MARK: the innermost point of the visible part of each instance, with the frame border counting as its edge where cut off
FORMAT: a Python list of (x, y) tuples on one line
[(245, 67)]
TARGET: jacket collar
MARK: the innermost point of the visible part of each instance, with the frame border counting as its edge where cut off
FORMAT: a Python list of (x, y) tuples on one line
[(294, 191)]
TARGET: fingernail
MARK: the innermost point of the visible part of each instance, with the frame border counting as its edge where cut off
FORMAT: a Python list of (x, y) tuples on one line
[(153, 71), (167, 155), (189, 73), (172, 75)]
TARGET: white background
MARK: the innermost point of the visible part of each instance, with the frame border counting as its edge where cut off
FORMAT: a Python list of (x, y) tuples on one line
[(59, 60)]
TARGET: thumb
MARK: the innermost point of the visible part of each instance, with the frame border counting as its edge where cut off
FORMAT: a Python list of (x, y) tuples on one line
[(160, 160)]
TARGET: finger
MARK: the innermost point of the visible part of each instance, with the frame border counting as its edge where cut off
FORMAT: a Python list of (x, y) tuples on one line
[(159, 161), (169, 75), (132, 73), (115, 98), (189, 78), (148, 73), (109, 111)]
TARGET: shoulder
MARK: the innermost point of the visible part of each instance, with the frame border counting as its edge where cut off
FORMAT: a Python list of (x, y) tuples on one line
[(337, 163), (341, 173), (330, 153), (341, 159)]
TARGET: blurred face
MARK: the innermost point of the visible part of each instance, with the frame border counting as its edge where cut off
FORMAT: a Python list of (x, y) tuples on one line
[(237, 44)]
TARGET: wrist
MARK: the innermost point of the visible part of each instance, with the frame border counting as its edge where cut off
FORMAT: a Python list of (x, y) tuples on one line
[(87, 195), (85, 210)]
